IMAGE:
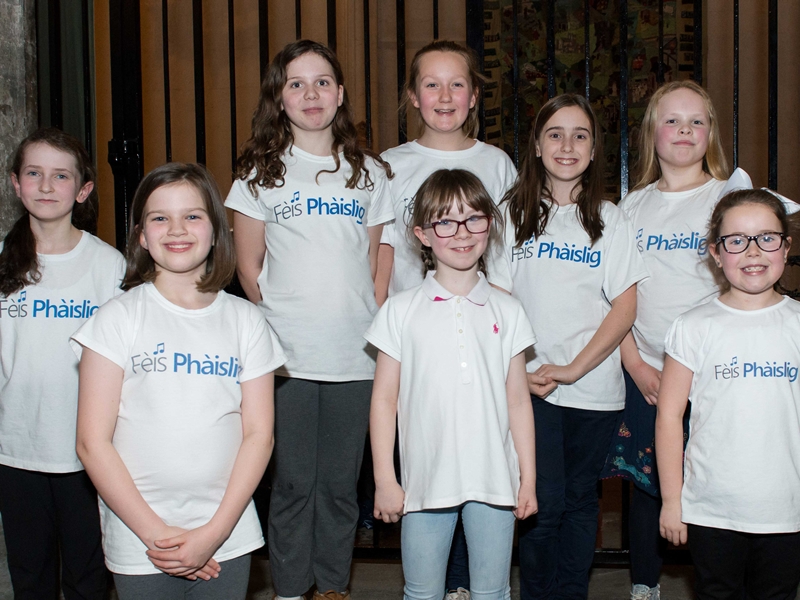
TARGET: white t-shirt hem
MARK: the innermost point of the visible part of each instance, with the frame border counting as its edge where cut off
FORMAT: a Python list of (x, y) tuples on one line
[(706, 521), (42, 467), (588, 405), (502, 501)]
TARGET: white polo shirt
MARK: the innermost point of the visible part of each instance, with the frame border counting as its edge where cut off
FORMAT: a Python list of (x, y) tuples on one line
[(454, 353), (412, 163), (566, 285), (742, 469)]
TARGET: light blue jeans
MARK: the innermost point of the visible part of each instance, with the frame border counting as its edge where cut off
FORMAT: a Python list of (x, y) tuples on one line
[(426, 538)]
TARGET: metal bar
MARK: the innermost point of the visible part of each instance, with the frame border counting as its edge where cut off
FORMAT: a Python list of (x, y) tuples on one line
[(515, 76), (199, 82), (551, 48), (88, 140), (298, 20), (475, 38), (773, 95), (698, 41), (125, 148), (54, 64), (735, 83), (587, 40), (400, 10), (367, 75), (660, 75), (165, 59), (263, 37), (232, 82), (332, 25), (623, 98), (436, 19)]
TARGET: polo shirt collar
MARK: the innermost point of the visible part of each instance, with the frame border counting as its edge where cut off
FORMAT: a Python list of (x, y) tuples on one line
[(435, 291)]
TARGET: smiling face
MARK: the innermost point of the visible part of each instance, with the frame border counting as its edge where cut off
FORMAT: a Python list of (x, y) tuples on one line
[(566, 147), (752, 273), (462, 251), (682, 129), (443, 93), (311, 95), (49, 183), (177, 232)]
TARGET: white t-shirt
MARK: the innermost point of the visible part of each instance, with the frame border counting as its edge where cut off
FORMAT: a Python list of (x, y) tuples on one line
[(671, 230), (566, 286), (179, 427), (452, 413), (412, 163), (39, 379), (316, 285), (742, 468)]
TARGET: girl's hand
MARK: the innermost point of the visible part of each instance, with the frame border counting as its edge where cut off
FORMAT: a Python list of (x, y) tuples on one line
[(672, 528), (560, 374), (540, 386), (527, 504), (188, 554), (648, 380), (389, 502)]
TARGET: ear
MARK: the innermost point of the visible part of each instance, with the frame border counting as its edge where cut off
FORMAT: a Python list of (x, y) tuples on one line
[(142, 240), (15, 183), (422, 236), (85, 191), (412, 95), (788, 247), (474, 99), (712, 248), (341, 95), (539, 150)]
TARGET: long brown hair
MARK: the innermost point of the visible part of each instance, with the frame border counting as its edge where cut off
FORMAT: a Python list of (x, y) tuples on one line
[(472, 124), (436, 196), (647, 167), (526, 206), (19, 265), (272, 133), (221, 262)]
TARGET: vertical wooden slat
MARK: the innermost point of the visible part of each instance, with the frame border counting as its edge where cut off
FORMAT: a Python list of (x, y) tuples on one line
[(660, 76), (232, 83), (515, 75), (54, 39), (475, 39), (551, 48), (263, 37), (298, 20), (623, 98), (587, 55), (88, 138), (400, 11), (199, 82), (735, 83), (698, 42), (367, 75), (435, 19), (165, 58), (332, 25), (773, 95)]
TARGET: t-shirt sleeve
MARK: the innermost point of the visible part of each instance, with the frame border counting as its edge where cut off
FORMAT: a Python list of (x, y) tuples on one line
[(524, 335), (679, 346), (242, 201), (509, 176), (380, 208), (389, 234), (624, 263), (262, 353), (108, 332), (499, 271), (385, 333), (120, 267)]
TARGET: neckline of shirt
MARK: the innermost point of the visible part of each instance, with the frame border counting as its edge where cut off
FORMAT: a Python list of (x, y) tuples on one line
[(189, 312), (754, 312), (299, 152), (66, 255), (685, 193), (451, 154), (436, 292)]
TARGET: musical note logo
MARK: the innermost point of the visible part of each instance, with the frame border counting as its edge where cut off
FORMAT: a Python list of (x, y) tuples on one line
[(159, 348), (22, 295)]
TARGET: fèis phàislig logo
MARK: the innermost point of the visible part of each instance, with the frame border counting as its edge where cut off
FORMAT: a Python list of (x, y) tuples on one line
[(47, 308), (555, 251), (756, 370), (317, 206), (185, 363), (693, 241)]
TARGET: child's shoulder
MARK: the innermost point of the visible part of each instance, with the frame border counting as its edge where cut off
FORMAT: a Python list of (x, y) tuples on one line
[(102, 249)]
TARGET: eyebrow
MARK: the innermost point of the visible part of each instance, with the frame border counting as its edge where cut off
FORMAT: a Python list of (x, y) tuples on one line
[(559, 127), (42, 168)]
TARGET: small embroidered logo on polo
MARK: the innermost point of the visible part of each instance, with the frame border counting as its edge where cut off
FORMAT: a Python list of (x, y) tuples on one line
[(495, 328)]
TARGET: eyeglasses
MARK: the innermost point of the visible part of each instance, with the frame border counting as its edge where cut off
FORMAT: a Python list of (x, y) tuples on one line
[(737, 243), (447, 228)]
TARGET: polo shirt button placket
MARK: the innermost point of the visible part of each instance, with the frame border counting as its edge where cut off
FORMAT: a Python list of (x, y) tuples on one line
[(462, 347)]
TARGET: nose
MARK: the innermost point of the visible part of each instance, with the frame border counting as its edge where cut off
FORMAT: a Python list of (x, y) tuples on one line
[(45, 185), (444, 95), (176, 227), (753, 249), (566, 143), (462, 232), (686, 128), (311, 92)]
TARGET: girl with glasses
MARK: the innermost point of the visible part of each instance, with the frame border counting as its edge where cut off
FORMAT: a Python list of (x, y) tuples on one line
[(575, 268), (451, 373), (736, 496)]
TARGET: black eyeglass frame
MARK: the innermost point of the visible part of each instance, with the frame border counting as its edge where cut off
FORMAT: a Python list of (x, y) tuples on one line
[(465, 223), (750, 239)]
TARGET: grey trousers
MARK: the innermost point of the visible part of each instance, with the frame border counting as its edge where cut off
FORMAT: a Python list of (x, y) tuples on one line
[(230, 585), (320, 428)]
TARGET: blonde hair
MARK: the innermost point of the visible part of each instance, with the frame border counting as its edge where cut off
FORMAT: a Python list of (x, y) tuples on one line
[(471, 126), (648, 169)]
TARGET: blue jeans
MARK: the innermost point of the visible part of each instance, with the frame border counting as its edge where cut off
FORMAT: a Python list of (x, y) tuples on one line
[(425, 542), (556, 546)]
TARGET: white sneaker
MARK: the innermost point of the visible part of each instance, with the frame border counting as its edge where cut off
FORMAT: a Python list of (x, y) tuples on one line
[(642, 592), (459, 594)]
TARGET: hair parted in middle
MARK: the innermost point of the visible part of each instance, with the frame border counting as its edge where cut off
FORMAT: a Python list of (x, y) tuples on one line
[(527, 208), (647, 167), (272, 135), (437, 195), (221, 262), (476, 79)]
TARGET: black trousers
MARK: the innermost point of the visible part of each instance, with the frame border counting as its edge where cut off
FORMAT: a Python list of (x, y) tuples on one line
[(47, 516), (745, 566)]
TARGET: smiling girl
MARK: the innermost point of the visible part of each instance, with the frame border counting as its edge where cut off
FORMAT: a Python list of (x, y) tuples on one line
[(736, 497), (575, 269), (309, 211)]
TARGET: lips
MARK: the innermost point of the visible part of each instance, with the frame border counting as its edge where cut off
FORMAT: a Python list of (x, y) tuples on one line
[(178, 247), (754, 269), (567, 162)]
